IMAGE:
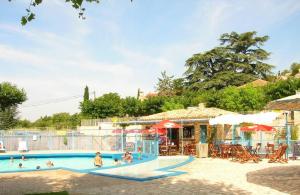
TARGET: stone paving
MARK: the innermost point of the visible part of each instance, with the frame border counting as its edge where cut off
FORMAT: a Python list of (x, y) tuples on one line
[(204, 176)]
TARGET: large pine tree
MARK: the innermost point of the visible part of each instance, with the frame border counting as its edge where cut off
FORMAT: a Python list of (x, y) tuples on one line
[(237, 60)]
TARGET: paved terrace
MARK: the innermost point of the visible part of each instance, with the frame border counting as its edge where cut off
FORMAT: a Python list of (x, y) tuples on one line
[(204, 176)]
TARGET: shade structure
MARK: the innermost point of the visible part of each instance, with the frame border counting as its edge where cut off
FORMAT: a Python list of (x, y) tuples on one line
[(236, 119), (257, 127), (155, 131), (166, 124), (127, 131)]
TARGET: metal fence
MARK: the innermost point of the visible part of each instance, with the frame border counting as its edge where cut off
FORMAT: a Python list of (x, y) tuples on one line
[(114, 143)]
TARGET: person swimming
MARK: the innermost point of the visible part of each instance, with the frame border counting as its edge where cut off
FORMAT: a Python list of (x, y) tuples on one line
[(98, 160), (117, 162), (20, 165), (50, 164), (38, 167), (127, 157)]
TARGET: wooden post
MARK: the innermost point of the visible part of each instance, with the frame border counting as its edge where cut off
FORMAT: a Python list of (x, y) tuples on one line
[(197, 132)]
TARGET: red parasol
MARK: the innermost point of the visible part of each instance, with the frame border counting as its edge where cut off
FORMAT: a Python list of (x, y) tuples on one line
[(258, 128), (154, 131), (165, 124)]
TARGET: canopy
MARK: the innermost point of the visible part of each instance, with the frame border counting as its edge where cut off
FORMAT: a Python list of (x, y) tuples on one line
[(127, 131), (155, 131), (258, 128), (235, 119), (166, 124)]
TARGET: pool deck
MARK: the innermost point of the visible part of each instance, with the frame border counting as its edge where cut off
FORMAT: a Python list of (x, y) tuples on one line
[(203, 176)]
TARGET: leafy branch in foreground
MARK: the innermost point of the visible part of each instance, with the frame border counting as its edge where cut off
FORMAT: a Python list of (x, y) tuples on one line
[(76, 4)]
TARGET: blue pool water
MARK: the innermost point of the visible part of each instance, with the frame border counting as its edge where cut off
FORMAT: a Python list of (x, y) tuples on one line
[(78, 163)]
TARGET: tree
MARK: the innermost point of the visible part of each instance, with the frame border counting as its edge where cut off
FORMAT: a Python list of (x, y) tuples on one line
[(239, 99), (8, 118), (282, 88), (164, 86), (236, 61), (86, 95), (295, 67), (76, 4), (10, 96), (171, 105), (130, 106), (108, 105)]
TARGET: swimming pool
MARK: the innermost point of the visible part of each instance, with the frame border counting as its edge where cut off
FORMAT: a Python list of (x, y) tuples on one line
[(148, 168), (81, 162)]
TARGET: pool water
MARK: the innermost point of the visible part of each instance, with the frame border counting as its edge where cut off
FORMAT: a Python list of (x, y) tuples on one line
[(78, 163)]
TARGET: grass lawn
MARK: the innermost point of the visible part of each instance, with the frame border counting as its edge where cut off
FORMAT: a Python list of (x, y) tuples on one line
[(51, 193)]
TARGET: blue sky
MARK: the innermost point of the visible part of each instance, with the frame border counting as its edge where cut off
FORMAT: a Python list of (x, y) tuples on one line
[(123, 46)]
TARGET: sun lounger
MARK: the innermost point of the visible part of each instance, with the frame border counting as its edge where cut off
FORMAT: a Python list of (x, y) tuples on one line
[(2, 148), (279, 154), (22, 146)]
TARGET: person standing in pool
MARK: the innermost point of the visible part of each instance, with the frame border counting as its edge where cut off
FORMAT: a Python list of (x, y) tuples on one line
[(11, 159), (23, 157), (139, 153), (98, 160)]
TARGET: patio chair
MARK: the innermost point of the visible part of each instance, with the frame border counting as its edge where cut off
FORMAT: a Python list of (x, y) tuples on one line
[(2, 148), (245, 156), (269, 150), (214, 152), (163, 150), (257, 148), (192, 149), (279, 154), (173, 150), (225, 149), (22, 146)]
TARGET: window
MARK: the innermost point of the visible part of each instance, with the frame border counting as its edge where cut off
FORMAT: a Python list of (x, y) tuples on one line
[(188, 132)]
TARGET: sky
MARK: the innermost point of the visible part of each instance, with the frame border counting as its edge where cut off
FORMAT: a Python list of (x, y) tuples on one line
[(123, 45)]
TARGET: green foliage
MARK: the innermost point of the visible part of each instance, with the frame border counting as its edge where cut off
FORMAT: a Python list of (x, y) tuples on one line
[(171, 105), (236, 61), (247, 135), (76, 4), (51, 193), (152, 105), (281, 89), (131, 106), (65, 140), (8, 118), (24, 123), (56, 121), (10, 95), (295, 67), (239, 99), (294, 133), (86, 95)]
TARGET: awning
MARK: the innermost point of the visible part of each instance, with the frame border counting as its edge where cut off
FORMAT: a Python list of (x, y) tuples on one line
[(235, 119), (258, 128), (166, 124)]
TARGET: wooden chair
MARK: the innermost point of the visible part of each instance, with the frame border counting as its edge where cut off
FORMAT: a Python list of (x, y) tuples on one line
[(224, 150), (279, 154), (244, 156), (213, 152), (269, 150), (172, 150), (163, 150)]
